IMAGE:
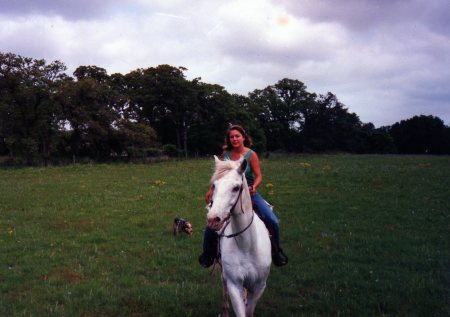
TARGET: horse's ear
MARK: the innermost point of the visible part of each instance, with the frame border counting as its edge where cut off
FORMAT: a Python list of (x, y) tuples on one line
[(216, 159), (243, 166)]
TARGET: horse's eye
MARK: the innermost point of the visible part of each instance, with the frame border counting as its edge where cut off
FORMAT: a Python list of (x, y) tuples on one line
[(236, 189)]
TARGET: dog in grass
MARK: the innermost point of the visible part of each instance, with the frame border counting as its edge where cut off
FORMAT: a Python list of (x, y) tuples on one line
[(181, 225)]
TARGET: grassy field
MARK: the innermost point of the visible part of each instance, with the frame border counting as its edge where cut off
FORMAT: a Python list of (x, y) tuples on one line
[(366, 236)]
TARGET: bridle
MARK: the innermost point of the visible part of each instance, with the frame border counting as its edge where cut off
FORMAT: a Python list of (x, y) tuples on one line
[(237, 233), (227, 220)]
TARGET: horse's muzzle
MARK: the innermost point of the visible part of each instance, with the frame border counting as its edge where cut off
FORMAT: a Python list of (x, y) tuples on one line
[(215, 223)]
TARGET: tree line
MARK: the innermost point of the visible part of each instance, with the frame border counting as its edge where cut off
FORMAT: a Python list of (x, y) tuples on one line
[(49, 116)]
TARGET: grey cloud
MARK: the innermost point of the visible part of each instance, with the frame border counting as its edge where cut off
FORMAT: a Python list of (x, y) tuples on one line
[(252, 45), (69, 9), (360, 15)]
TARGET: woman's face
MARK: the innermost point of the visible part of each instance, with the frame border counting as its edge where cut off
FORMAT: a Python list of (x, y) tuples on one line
[(236, 138)]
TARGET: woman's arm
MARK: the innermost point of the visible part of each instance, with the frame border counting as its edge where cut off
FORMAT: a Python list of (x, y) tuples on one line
[(256, 168)]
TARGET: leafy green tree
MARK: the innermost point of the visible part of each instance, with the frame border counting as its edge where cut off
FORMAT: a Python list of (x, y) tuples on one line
[(163, 98), (420, 135), (96, 73), (44, 112), (88, 113), (28, 115), (365, 138), (133, 137), (378, 140), (120, 98), (216, 110), (329, 126), (250, 123), (281, 110)]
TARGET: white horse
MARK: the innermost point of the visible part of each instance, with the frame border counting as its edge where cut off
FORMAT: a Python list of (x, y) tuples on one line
[(244, 239)]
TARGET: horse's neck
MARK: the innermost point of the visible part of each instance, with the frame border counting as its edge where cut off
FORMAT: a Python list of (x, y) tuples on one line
[(243, 216), (244, 225)]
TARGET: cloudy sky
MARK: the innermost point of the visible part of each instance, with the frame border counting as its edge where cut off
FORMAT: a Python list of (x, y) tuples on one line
[(386, 60)]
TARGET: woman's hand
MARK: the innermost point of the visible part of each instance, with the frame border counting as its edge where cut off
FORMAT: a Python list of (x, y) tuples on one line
[(252, 190)]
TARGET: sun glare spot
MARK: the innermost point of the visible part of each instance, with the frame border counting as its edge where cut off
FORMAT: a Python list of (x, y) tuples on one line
[(283, 20)]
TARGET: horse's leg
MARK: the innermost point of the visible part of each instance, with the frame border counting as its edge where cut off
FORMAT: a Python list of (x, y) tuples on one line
[(225, 303), (253, 297), (236, 293)]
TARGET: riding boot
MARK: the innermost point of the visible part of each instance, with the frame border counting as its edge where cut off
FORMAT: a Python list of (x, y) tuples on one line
[(278, 256), (210, 244)]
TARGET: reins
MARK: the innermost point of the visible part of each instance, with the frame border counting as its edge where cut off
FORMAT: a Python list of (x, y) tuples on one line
[(237, 233), (242, 209)]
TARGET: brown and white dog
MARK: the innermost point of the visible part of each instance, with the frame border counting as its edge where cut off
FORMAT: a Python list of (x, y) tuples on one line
[(182, 225)]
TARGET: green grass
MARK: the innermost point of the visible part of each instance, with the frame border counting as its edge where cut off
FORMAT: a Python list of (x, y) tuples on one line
[(366, 236)]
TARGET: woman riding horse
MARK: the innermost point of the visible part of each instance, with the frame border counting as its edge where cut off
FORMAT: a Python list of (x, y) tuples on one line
[(237, 144)]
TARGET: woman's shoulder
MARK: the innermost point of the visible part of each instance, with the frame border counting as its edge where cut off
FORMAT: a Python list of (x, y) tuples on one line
[(226, 155), (252, 154)]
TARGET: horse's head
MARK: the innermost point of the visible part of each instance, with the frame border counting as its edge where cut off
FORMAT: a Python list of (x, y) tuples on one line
[(230, 186)]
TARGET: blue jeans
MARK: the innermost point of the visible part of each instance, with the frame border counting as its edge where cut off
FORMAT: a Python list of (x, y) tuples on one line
[(265, 213), (268, 217)]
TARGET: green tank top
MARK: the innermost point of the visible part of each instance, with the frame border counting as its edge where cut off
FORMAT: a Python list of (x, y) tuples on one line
[(249, 175)]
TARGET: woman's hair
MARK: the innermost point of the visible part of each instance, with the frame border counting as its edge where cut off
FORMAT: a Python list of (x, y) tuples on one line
[(247, 142)]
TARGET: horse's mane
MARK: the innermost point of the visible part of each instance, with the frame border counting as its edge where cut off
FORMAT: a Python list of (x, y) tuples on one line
[(222, 168)]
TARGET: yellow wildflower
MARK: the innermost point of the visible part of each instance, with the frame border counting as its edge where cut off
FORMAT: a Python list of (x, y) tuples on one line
[(305, 166), (269, 187), (327, 168), (159, 182)]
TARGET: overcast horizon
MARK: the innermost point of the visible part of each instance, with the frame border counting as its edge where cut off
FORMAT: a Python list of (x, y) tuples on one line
[(384, 60)]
